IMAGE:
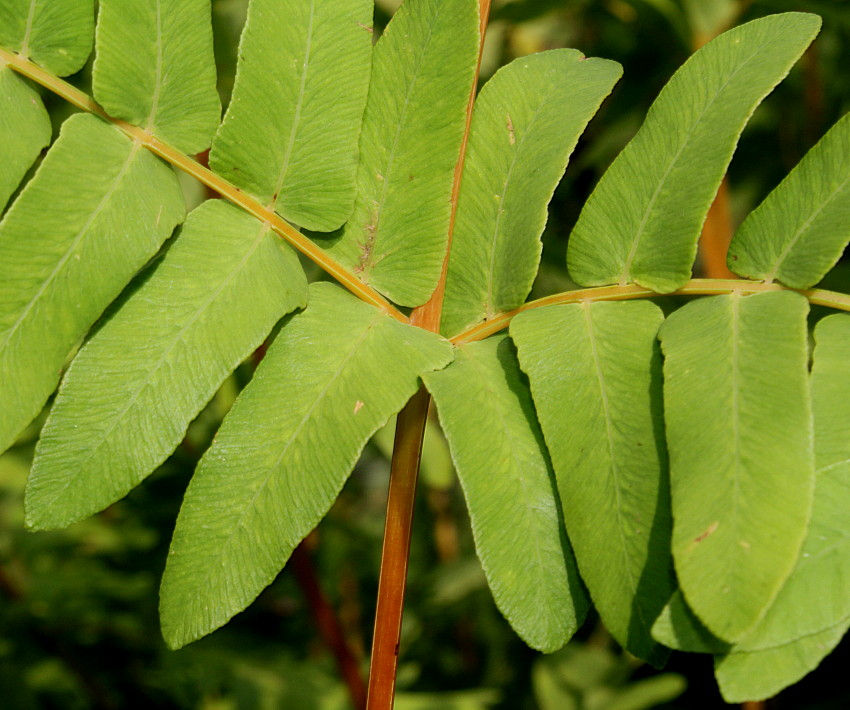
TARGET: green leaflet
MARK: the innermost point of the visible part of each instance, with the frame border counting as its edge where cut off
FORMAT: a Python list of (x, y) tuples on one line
[(761, 674), (97, 209), (155, 69), (816, 596), (831, 392), (736, 402), (415, 117), (527, 121), (486, 411), (643, 219), (278, 141), (799, 232), (332, 377), (817, 590), (677, 627), (56, 34), (813, 599), (595, 377), (133, 389), (24, 131)]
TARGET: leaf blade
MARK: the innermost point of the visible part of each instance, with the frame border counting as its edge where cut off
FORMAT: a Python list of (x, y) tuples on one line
[(507, 481), (56, 34), (113, 206), (155, 68), (278, 142), (526, 123), (736, 371), (24, 130), (607, 452), (643, 219), (396, 238), (339, 363), (800, 230), (756, 675), (132, 391)]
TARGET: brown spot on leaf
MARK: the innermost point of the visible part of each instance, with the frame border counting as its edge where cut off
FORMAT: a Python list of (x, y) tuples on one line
[(710, 529)]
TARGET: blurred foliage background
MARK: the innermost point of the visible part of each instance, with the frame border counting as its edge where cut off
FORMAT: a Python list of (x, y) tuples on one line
[(78, 607)]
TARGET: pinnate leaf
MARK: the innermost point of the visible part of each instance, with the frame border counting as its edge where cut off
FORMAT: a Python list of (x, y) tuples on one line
[(155, 68), (799, 232), (278, 141), (527, 121), (333, 377), (98, 208), (56, 34), (643, 219), (413, 126), (595, 376), (132, 391), (487, 414), (24, 131), (739, 431)]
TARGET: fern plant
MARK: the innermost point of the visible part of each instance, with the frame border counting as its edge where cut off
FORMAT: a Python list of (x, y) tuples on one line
[(686, 475)]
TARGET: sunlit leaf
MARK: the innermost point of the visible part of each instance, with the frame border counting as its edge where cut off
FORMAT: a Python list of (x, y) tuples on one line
[(278, 141), (643, 219), (527, 121), (133, 389), (333, 376), (756, 675), (97, 209), (155, 68), (57, 34), (799, 232), (24, 131), (412, 130)]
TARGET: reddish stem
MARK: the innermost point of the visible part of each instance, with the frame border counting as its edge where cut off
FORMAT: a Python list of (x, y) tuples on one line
[(407, 448), (404, 471)]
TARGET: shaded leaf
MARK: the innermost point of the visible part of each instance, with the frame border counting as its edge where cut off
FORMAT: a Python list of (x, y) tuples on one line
[(333, 377), (97, 209), (643, 219), (155, 68), (739, 431), (677, 627), (606, 446), (56, 34), (799, 232), (134, 388), (24, 131), (527, 121), (278, 141), (487, 414), (757, 675), (414, 122)]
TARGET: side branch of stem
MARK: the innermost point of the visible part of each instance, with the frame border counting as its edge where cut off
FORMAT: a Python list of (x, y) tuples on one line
[(694, 287)]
